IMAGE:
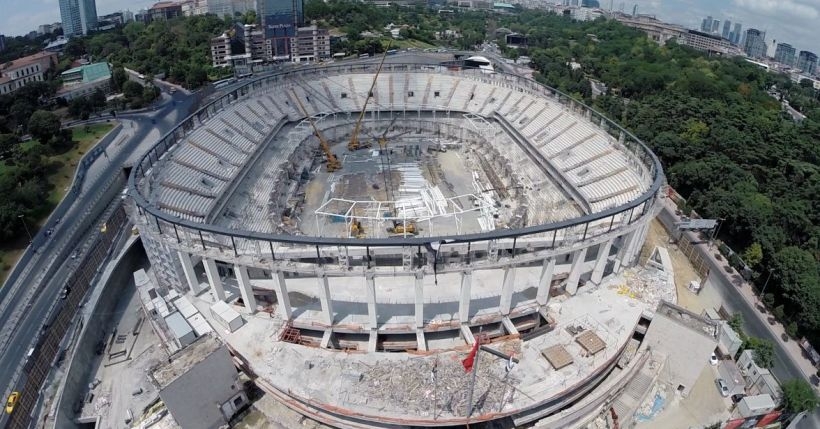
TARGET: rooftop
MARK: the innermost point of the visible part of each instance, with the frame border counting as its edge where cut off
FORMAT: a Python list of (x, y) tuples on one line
[(90, 72), (689, 319), (185, 359)]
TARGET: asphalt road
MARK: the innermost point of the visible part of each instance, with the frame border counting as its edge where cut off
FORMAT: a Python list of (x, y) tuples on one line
[(784, 367), (149, 124)]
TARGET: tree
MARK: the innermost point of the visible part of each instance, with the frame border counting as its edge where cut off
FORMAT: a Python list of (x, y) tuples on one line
[(763, 351), (736, 322), (753, 254), (43, 125), (798, 396), (132, 89)]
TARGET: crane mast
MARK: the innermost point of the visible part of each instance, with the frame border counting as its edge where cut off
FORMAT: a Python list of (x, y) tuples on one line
[(354, 137), (333, 163)]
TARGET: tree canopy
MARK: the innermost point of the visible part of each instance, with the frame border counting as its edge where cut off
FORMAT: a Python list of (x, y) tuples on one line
[(798, 396)]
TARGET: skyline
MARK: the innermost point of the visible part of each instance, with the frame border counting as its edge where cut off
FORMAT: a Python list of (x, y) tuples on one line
[(789, 21)]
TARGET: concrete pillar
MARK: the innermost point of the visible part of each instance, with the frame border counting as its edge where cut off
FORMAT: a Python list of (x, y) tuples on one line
[(372, 317), (505, 304), (324, 297), (600, 263), (575, 271), (464, 302), (245, 288), (419, 298), (190, 273), (213, 278), (626, 242), (542, 295), (282, 294)]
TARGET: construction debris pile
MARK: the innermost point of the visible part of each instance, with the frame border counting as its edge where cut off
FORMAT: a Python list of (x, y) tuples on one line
[(647, 285), (425, 386)]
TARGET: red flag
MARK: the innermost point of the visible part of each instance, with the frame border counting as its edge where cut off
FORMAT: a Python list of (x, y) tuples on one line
[(470, 359)]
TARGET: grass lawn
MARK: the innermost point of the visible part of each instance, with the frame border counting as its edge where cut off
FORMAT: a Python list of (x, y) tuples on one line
[(86, 137), (60, 179)]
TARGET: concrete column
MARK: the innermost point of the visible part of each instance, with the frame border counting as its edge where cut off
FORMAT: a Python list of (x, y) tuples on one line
[(372, 317), (213, 278), (464, 302), (505, 304), (245, 288), (626, 242), (282, 294), (575, 271), (419, 298), (190, 273), (600, 263), (542, 295), (324, 297)]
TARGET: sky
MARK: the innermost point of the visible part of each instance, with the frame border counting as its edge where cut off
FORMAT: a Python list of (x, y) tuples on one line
[(790, 21)]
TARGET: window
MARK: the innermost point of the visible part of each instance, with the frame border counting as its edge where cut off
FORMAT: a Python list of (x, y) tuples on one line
[(409, 93), (435, 94)]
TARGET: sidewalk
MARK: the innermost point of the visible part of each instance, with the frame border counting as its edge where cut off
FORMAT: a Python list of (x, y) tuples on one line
[(733, 277)]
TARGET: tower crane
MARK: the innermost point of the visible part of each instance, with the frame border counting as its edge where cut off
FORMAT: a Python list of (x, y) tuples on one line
[(354, 143), (333, 163)]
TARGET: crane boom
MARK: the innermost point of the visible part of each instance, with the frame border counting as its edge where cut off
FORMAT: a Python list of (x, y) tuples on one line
[(354, 137), (333, 163)]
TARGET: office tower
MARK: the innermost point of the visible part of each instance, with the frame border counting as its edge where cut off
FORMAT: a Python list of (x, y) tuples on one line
[(738, 33), (807, 62), (784, 54), (715, 26), (706, 25), (755, 44), (280, 18), (727, 28), (78, 16)]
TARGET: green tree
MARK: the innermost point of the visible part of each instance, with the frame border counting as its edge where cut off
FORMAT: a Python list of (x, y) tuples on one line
[(132, 89), (798, 396), (763, 351), (753, 255), (43, 125)]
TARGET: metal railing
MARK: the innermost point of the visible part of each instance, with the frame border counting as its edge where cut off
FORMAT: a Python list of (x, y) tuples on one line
[(203, 237)]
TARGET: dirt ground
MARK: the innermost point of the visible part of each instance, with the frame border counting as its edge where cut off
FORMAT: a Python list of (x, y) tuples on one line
[(702, 406), (684, 272)]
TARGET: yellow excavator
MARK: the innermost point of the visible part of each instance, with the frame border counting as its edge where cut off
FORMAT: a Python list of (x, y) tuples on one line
[(333, 163), (400, 228), (356, 229), (354, 143)]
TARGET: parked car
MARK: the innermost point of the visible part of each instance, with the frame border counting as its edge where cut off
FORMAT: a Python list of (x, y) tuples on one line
[(12, 401), (713, 359), (723, 387), (737, 397)]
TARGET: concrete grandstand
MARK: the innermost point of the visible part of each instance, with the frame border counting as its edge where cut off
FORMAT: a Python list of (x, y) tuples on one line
[(524, 204)]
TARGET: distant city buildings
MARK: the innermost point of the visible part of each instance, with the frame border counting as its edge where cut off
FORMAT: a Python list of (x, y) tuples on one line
[(78, 17), (280, 19), (784, 54), (735, 35), (755, 44), (49, 28), (662, 32), (2, 43), (82, 81), (727, 29), (807, 62), (220, 50)]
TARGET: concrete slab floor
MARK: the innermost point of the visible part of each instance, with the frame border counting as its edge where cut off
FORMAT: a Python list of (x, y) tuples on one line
[(120, 376), (268, 413), (703, 406)]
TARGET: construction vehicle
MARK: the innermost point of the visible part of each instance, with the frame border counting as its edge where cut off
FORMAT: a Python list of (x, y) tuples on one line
[(333, 163), (354, 143), (403, 228), (356, 229)]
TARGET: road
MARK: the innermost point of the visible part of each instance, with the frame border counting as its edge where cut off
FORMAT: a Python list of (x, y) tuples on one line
[(27, 300), (784, 366)]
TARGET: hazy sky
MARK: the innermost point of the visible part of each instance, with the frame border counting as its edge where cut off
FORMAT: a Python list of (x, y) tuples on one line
[(791, 21)]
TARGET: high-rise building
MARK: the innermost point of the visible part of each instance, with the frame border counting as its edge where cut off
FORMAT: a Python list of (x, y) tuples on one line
[(280, 19), (755, 44), (736, 33), (706, 25), (727, 28), (784, 54), (78, 16), (2, 42), (807, 62), (310, 44), (715, 26)]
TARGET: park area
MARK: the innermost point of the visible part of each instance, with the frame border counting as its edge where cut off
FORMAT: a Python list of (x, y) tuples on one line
[(57, 171)]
